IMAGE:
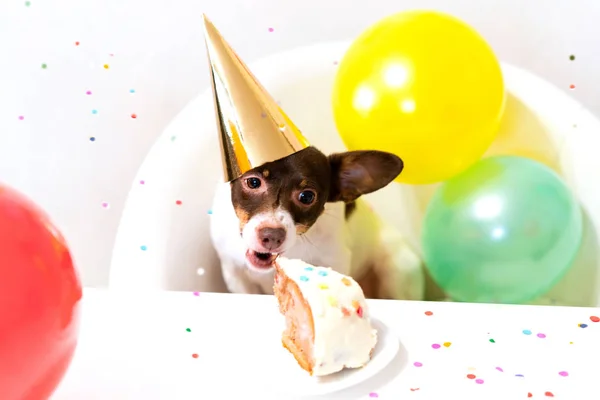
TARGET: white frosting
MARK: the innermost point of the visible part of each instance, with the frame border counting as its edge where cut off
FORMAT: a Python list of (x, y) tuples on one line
[(344, 337)]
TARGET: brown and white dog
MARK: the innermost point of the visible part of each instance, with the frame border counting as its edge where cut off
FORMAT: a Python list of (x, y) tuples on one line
[(307, 206)]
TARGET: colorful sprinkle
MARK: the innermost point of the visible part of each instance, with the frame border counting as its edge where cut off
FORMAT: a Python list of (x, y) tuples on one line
[(195, 355), (323, 273), (132, 91), (308, 268), (173, 138), (335, 63), (373, 395), (541, 335), (526, 332), (583, 325), (323, 286), (89, 92), (593, 318), (106, 66), (492, 341), (44, 66), (447, 344), (563, 373), (142, 182), (479, 381), (471, 376), (520, 375), (200, 271), (271, 29), (27, 3), (188, 330), (549, 394), (435, 346), (346, 281), (76, 43), (304, 278), (332, 301), (529, 394), (346, 312), (572, 87), (94, 112), (414, 389), (196, 294), (92, 139), (105, 204), (21, 118), (209, 212), (144, 248), (428, 313), (133, 116), (572, 57), (499, 369), (359, 312), (178, 202), (417, 364)]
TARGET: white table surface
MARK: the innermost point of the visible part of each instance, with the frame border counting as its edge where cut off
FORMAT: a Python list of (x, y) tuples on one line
[(137, 346)]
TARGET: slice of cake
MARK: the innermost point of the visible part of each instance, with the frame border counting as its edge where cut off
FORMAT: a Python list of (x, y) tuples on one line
[(327, 319)]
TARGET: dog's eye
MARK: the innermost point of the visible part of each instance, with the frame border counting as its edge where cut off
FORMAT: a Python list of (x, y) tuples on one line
[(253, 183), (307, 197)]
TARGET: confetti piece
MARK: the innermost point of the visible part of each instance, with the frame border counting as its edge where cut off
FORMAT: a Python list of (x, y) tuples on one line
[(76, 43), (563, 373), (133, 116), (583, 325), (105, 204), (549, 394), (417, 364), (572, 57), (200, 271), (323, 286), (499, 369), (21, 118), (131, 91), (373, 395), (44, 66), (593, 318), (479, 381), (520, 375), (526, 332), (447, 344), (196, 294), (428, 313), (541, 335), (529, 394), (572, 87), (144, 248), (195, 355), (94, 112), (209, 212), (323, 273), (471, 376), (178, 202), (346, 281), (304, 278), (188, 330), (346, 312), (308, 269), (106, 66), (414, 390), (435, 346), (335, 63), (173, 138), (142, 182), (27, 3), (89, 92), (271, 29), (92, 139)]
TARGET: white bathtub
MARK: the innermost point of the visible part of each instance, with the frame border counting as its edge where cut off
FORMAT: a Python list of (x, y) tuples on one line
[(164, 245)]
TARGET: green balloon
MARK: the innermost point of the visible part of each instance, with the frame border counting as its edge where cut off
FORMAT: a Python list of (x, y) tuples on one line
[(504, 231)]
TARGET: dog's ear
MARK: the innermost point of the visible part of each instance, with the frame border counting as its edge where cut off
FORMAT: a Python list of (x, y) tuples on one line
[(355, 173)]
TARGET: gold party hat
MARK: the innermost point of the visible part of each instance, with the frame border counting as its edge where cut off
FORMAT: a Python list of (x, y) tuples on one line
[(252, 128)]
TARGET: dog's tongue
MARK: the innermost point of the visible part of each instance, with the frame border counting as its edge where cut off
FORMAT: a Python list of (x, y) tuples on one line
[(261, 260)]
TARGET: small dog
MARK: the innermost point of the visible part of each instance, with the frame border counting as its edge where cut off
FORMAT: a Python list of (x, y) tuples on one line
[(307, 206)]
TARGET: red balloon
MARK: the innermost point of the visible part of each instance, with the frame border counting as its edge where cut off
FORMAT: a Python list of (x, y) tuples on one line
[(40, 293)]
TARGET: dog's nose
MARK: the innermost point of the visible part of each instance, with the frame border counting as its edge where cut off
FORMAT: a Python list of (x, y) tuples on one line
[(271, 238)]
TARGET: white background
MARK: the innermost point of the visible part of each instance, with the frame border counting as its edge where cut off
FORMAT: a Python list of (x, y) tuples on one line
[(156, 48)]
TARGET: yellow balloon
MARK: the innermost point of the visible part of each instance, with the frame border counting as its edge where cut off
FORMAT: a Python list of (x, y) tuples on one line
[(424, 86)]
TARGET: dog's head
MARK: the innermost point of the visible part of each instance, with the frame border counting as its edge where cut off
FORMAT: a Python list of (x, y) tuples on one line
[(280, 200)]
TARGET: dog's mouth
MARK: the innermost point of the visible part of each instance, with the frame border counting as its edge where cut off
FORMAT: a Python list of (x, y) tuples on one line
[(260, 260)]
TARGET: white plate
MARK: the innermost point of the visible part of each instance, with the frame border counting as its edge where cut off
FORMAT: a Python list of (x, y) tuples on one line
[(293, 380)]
